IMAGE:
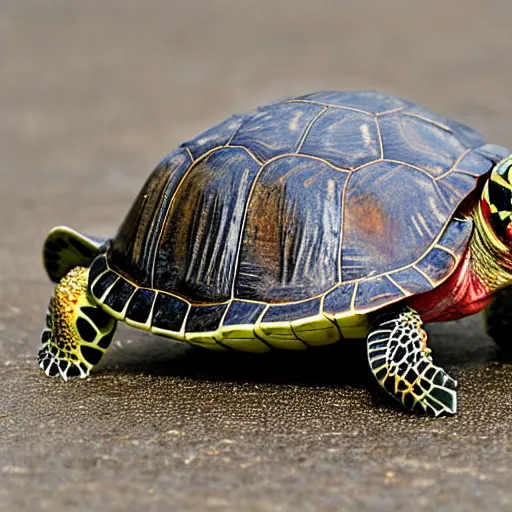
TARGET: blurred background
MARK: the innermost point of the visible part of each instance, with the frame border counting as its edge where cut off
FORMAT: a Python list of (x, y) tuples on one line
[(92, 95)]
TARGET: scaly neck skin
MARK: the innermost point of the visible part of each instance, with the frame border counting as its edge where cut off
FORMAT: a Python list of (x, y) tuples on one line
[(485, 268), (490, 259)]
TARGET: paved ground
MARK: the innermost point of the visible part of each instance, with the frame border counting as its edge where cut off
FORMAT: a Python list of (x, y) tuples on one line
[(92, 94)]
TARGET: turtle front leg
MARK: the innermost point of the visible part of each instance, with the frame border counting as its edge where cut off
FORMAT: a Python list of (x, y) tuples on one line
[(498, 319), (77, 332), (402, 363)]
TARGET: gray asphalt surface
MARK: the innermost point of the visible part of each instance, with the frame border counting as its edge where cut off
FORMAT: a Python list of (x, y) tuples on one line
[(92, 95)]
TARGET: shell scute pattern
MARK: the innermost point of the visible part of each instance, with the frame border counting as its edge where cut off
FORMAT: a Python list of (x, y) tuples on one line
[(372, 293), (140, 306), (217, 136), (380, 237), (410, 280), (371, 102), (413, 140), (205, 318), (468, 136), (242, 312), (290, 246), (294, 311), (198, 246), (135, 245), (277, 129), (275, 207), (345, 138)]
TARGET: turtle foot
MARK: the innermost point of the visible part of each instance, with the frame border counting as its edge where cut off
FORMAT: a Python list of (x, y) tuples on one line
[(402, 364), (77, 333)]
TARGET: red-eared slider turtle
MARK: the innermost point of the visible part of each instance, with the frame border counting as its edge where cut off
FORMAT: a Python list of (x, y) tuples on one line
[(328, 216)]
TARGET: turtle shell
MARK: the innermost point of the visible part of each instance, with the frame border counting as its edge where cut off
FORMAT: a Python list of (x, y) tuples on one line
[(331, 204)]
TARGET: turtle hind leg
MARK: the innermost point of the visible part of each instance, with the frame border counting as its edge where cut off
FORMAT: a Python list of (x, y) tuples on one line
[(402, 364), (64, 248), (77, 333)]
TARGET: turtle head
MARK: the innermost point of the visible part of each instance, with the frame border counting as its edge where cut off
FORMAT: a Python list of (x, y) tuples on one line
[(496, 201), (77, 332)]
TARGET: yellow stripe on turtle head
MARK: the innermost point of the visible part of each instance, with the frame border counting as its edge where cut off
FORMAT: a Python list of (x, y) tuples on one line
[(501, 174)]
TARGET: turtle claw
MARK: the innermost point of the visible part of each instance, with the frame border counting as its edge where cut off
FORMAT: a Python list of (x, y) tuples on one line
[(58, 365), (51, 366)]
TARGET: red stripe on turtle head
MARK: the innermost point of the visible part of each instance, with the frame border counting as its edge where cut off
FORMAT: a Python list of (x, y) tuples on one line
[(486, 209)]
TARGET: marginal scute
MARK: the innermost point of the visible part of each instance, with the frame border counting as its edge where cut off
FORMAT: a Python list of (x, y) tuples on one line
[(456, 236), (119, 295), (205, 318), (98, 266), (475, 164), (455, 187), (241, 312), (246, 344), (317, 330), (411, 280), (290, 312), (168, 313), (140, 306), (493, 152), (373, 293), (280, 335), (103, 283), (339, 299), (437, 264)]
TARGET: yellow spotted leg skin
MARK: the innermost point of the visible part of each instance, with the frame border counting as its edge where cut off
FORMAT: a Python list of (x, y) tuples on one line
[(77, 333), (402, 364)]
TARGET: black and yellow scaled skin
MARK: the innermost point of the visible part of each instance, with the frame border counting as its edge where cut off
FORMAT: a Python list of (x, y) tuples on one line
[(402, 363), (78, 332), (284, 228)]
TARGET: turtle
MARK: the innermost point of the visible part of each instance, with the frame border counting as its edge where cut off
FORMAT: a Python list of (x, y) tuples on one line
[(306, 222)]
